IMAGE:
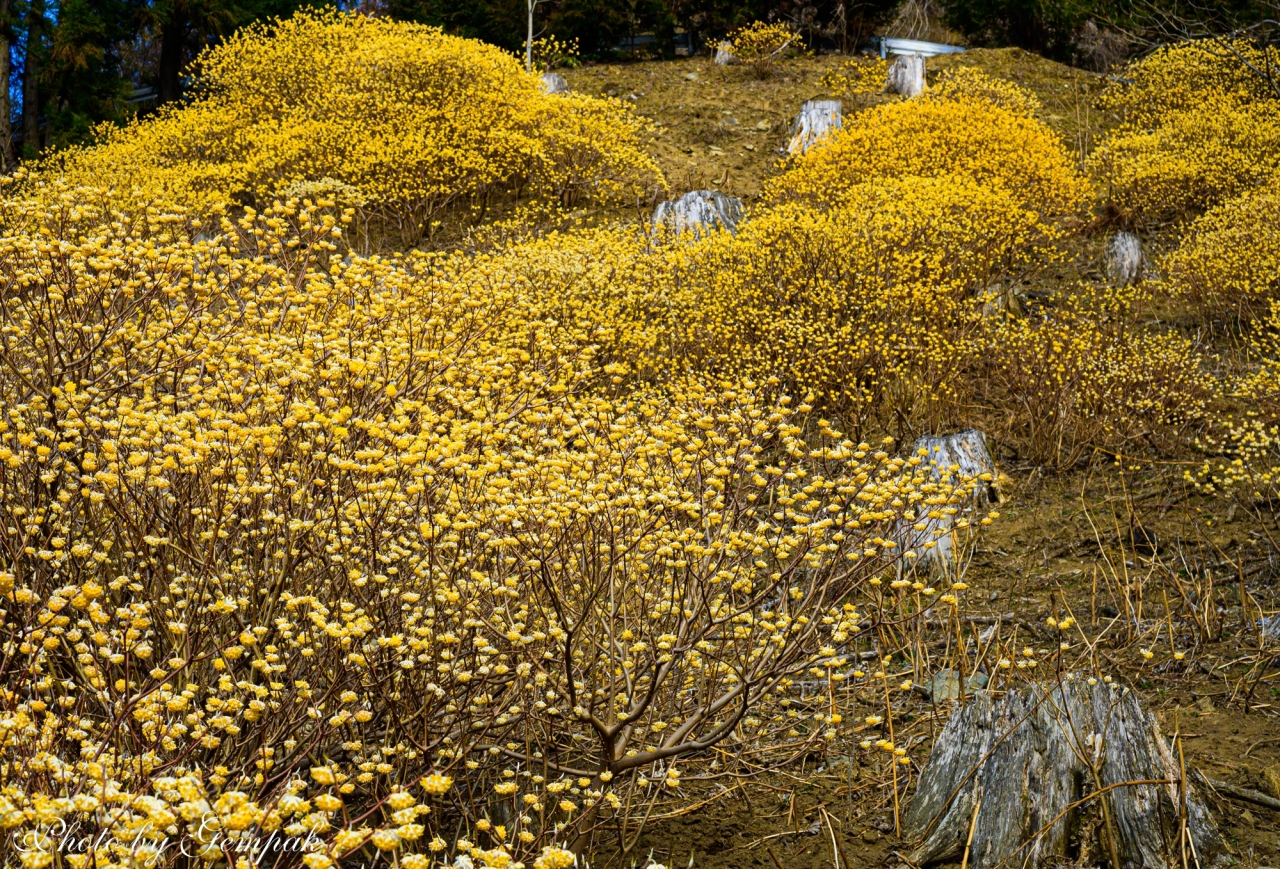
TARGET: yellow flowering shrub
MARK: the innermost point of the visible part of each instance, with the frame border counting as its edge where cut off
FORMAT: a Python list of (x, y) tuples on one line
[(867, 304), (1228, 262), (1244, 446), (412, 119), (1179, 76), (968, 83), (366, 550), (550, 53), (1199, 127), (858, 75), (759, 44), (435, 555), (1058, 386), (933, 137), (1261, 386)]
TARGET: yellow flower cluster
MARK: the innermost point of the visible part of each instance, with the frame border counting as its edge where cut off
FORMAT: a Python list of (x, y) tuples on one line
[(759, 45), (550, 53), (967, 83), (1245, 446), (1082, 378), (300, 541), (858, 75), (414, 121), (1201, 123), (870, 304), (971, 137), (1228, 263)]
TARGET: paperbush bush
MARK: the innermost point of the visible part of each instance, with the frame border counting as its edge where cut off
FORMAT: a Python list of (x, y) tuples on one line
[(971, 138), (371, 550), (1200, 126), (413, 120)]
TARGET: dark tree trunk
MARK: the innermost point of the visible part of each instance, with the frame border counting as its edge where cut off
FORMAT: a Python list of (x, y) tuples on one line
[(6, 130), (173, 43), (31, 77)]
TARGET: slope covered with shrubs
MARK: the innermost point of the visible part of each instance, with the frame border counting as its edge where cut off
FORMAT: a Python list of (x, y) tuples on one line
[(483, 553), (399, 118)]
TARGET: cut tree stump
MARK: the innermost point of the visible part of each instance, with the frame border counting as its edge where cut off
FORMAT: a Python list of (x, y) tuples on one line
[(963, 455), (724, 54), (1046, 774), (1269, 629), (968, 453), (553, 83), (906, 75), (1000, 299), (815, 122), (1124, 259), (699, 212)]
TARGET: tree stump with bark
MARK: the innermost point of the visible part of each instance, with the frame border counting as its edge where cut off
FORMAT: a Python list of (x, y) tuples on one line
[(1049, 774), (553, 83), (699, 212), (964, 456), (1124, 259), (1000, 299), (906, 75), (815, 122)]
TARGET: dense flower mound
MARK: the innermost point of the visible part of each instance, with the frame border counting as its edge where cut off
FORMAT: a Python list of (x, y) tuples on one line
[(1244, 447), (942, 135), (1229, 260), (1085, 376), (855, 302), (1200, 126), (405, 118), (968, 83), (366, 550)]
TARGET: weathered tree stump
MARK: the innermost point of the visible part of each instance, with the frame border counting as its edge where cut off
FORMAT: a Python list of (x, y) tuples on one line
[(906, 75), (699, 212), (553, 83), (724, 54), (963, 455), (1269, 629), (1001, 298), (968, 453), (1043, 773), (1124, 259), (816, 120)]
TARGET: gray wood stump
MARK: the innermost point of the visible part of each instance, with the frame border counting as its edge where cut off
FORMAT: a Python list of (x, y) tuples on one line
[(1000, 299), (1011, 779), (1269, 629), (699, 212), (724, 54), (1124, 259), (815, 122), (553, 83), (963, 455), (906, 75)]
